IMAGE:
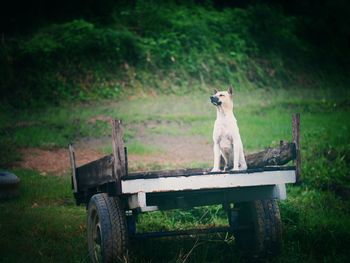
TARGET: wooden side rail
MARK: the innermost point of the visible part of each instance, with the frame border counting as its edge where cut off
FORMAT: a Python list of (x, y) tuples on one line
[(74, 168), (104, 173), (107, 173), (119, 153)]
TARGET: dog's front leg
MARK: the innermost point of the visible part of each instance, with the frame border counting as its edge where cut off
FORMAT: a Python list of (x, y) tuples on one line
[(242, 162), (216, 167), (235, 156)]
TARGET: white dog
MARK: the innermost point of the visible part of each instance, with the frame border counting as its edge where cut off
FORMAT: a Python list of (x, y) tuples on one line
[(227, 140)]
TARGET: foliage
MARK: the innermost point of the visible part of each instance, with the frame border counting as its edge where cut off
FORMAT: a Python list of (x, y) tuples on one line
[(54, 64), (79, 40), (163, 47)]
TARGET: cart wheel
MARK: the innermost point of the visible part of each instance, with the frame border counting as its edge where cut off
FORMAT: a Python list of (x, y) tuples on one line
[(259, 228), (106, 229)]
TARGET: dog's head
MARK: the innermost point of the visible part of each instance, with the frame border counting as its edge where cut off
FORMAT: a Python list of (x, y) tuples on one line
[(222, 98)]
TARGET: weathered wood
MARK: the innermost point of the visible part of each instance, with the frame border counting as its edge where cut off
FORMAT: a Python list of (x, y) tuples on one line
[(197, 172), (73, 166), (296, 141), (272, 156), (126, 161), (119, 168), (166, 173), (113, 168), (94, 174)]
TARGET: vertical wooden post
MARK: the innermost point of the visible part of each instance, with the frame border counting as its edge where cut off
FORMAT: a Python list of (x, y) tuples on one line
[(119, 168), (296, 141), (74, 168), (126, 161)]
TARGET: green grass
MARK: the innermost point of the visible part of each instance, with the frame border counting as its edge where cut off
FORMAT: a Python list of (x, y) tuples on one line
[(316, 228), (263, 117), (43, 224), (315, 215), (134, 147)]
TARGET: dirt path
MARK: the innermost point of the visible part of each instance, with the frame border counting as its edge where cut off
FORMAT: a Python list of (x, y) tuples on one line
[(174, 152), (54, 162)]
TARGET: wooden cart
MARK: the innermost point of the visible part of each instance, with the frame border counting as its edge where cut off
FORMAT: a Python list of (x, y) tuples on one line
[(115, 197)]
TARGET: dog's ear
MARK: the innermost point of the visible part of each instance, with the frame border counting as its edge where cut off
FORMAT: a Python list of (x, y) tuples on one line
[(230, 90), (215, 91)]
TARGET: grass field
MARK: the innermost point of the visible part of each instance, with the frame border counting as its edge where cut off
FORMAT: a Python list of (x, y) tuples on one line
[(44, 225)]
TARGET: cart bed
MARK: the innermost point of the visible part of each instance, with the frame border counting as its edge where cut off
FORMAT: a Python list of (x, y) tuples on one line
[(163, 190), (168, 182)]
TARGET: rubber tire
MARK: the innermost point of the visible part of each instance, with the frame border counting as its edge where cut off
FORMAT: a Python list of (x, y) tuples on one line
[(263, 237), (9, 185), (107, 225)]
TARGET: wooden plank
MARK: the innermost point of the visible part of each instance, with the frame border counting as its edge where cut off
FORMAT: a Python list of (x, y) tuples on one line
[(165, 173), (296, 141), (280, 155), (207, 181), (198, 172), (277, 156), (95, 173), (74, 168), (119, 168)]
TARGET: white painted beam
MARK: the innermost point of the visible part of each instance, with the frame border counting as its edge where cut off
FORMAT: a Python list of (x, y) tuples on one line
[(138, 200), (208, 181)]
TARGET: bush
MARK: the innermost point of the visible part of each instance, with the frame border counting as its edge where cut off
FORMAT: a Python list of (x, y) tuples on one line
[(160, 45), (66, 61), (80, 40)]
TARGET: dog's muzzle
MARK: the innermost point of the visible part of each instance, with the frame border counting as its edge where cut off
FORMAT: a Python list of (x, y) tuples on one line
[(215, 100)]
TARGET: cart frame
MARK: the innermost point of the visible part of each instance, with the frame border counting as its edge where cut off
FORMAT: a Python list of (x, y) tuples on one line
[(244, 194)]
